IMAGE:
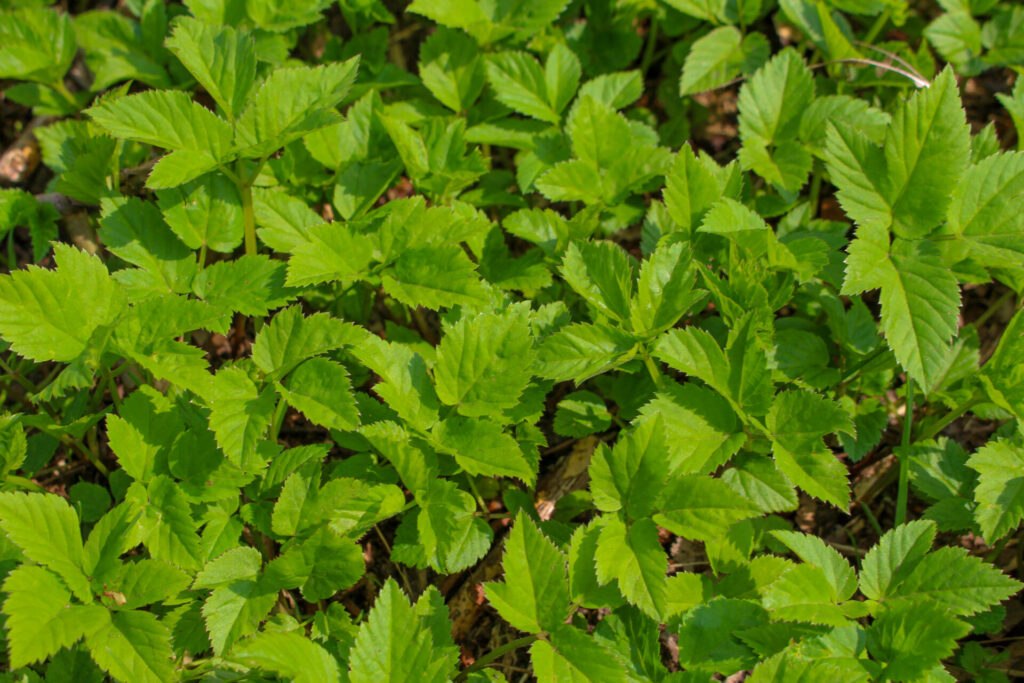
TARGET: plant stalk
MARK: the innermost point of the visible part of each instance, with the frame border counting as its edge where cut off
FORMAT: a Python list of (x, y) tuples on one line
[(493, 655), (904, 483)]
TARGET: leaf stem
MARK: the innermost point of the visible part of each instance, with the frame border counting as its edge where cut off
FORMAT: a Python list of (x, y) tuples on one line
[(815, 196), (862, 363), (652, 39), (279, 413), (991, 310), (935, 428), (652, 368), (248, 218), (904, 482), (493, 655), (877, 27)]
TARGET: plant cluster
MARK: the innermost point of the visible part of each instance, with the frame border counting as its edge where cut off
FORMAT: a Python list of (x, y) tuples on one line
[(415, 291)]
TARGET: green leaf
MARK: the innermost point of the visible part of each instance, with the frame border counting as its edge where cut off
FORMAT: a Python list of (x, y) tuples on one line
[(739, 374), (797, 422), (702, 430), (435, 277), (40, 617), (239, 414), (29, 297), (837, 572), (906, 184), (133, 646), (900, 570), (602, 273), (444, 533), (718, 57), (395, 644), (289, 655), (707, 635), (520, 83), (581, 351), (46, 529), (535, 594), (664, 290), (896, 554), (920, 298), (631, 475), (691, 187), (480, 365), (222, 59), (480, 446), (773, 100), (147, 581), (452, 69), (282, 220), (251, 285), (142, 435), (699, 507), (802, 593), (614, 90), (986, 210), (167, 527), (116, 50), (580, 414), (234, 610), (135, 231), (1002, 376), (759, 481), (913, 638), (331, 253), (405, 384), (19, 208), (39, 44), (579, 651), (169, 119), (633, 557), (321, 390), (207, 210), (290, 338), (416, 464), (290, 103), (1000, 489), (583, 585), (562, 72)]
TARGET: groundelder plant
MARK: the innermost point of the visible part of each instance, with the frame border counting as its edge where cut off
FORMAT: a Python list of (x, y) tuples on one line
[(510, 340)]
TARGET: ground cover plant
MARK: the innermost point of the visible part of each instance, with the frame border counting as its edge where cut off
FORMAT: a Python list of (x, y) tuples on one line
[(481, 340)]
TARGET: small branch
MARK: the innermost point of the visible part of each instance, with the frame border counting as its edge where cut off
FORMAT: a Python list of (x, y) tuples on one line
[(904, 481), (493, 655)]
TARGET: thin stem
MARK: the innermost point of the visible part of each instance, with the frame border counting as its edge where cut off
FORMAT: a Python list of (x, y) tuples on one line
[(63, 91), (652, 39), (652, 368), (279, 413), (877, 27), (248, 219), (996, 305), (862, 363), (872, 520), (935, 428), (16, 376), (493, 655), (202, 256), (815, 197), (904, 483)]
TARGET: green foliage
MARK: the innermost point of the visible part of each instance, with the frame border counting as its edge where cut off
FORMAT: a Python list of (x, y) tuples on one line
[(412, 313)]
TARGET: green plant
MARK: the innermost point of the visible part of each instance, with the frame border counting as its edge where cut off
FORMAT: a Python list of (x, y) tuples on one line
[(316, 380)]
